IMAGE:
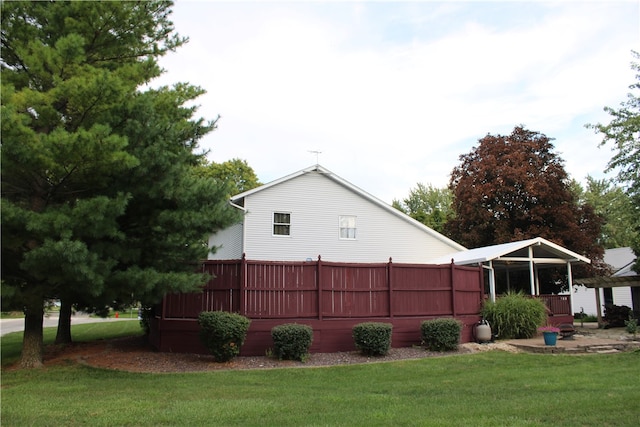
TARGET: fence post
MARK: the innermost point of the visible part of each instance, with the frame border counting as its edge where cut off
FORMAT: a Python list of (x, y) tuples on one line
[(319, 286), (453, 289), (205, 293), (243, 285), (390, 286)]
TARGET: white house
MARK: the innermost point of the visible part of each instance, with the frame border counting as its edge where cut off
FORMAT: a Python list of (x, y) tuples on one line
[(610, 291), (314, 212)]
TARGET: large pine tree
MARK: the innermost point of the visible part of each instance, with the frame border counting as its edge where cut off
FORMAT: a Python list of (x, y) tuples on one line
[(100, 195)]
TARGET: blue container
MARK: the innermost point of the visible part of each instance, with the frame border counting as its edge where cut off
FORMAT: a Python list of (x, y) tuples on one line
[(550, 338)]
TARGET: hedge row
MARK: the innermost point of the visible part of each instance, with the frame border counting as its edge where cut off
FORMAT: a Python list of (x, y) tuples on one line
[(223, 333)]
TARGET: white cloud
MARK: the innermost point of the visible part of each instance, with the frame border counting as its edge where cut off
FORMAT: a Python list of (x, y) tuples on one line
[(393, 93)]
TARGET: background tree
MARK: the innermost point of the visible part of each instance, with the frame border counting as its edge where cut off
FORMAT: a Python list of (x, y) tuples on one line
[(614, 206), (514, 187), (624, 133), (427, 204), (100, 195), (235, 173)]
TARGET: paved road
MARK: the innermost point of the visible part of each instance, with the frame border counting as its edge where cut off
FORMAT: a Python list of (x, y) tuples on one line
[(17, 325)]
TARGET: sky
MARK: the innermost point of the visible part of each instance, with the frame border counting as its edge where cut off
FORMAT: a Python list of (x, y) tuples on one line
[(391, 94)]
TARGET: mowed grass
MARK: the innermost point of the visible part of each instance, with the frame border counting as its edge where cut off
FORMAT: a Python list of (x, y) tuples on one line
[(484, 389), (11, 344)]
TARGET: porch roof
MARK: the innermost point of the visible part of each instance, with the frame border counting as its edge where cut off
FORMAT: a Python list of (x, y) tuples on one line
[(544, 252)]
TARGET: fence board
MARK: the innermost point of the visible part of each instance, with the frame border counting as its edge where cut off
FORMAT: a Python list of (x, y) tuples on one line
[(330, 296), (291, 290)]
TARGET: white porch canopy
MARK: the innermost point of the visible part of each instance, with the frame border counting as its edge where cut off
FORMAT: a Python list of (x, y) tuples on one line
[(532, 254)]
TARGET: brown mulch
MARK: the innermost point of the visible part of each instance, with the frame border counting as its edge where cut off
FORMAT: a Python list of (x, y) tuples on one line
[(134, 354)]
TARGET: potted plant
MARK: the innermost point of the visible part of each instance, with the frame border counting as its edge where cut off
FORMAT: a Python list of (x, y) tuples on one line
[(550, 334)]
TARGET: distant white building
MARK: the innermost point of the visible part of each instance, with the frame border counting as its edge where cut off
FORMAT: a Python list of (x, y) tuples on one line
[(621, 260)]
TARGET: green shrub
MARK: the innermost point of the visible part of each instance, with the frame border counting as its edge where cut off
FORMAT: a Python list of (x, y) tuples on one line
[(632, 325), (223, 333), (441, 334), (515, 315), (372, 338), (615, 316), (146, 318), (291, 341)]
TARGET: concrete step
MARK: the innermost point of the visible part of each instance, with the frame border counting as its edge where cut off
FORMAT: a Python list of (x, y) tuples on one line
[(599, 347), (613, 350), (602, 349)]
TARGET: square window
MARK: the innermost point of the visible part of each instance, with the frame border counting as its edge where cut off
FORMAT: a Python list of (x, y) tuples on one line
[(281, 224), (347, 227)]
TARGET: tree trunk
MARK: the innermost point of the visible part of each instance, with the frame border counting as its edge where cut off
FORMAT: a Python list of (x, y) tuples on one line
[(32, 343), (63, 335)]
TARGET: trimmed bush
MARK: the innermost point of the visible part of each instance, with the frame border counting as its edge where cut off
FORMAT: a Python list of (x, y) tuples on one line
[(372, 338), (615, 316), (515, 315), (291, 341), (441, 334), (223, 333)]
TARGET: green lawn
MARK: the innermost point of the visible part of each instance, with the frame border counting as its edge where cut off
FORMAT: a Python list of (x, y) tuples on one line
[(484, 389), (12, 343)]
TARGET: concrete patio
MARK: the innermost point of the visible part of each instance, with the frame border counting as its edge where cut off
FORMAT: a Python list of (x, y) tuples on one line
[(587, 339)]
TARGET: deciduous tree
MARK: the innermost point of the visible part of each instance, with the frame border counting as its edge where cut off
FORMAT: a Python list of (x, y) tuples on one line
[(514, 187), (615, 207), (623, 132), (236, 173), (427, 204)]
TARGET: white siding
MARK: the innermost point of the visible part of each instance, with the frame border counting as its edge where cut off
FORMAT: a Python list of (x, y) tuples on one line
[(586, 298), (228, 243), (622, 296), (315, 203)]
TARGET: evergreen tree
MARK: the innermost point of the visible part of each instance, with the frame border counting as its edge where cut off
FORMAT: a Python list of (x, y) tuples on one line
[(100, 198)]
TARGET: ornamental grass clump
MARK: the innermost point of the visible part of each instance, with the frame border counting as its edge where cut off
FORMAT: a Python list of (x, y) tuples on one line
[(441, 334), (223, 333), (549, 329), (292, 341), (515, 315), (372, 338)]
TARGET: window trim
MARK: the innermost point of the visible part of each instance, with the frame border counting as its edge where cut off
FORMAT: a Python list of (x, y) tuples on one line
[(354, 228), (274, 223)]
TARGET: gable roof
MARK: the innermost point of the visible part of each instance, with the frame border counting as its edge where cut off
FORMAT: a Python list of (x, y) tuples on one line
[(544, 252), (621, 260), (238, 200)]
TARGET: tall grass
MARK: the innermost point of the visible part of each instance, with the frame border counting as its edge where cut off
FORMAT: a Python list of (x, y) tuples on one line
[(515, 315)]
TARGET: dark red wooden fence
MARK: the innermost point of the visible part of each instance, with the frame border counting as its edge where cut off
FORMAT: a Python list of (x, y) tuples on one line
[(559, 308), (330, 297)]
